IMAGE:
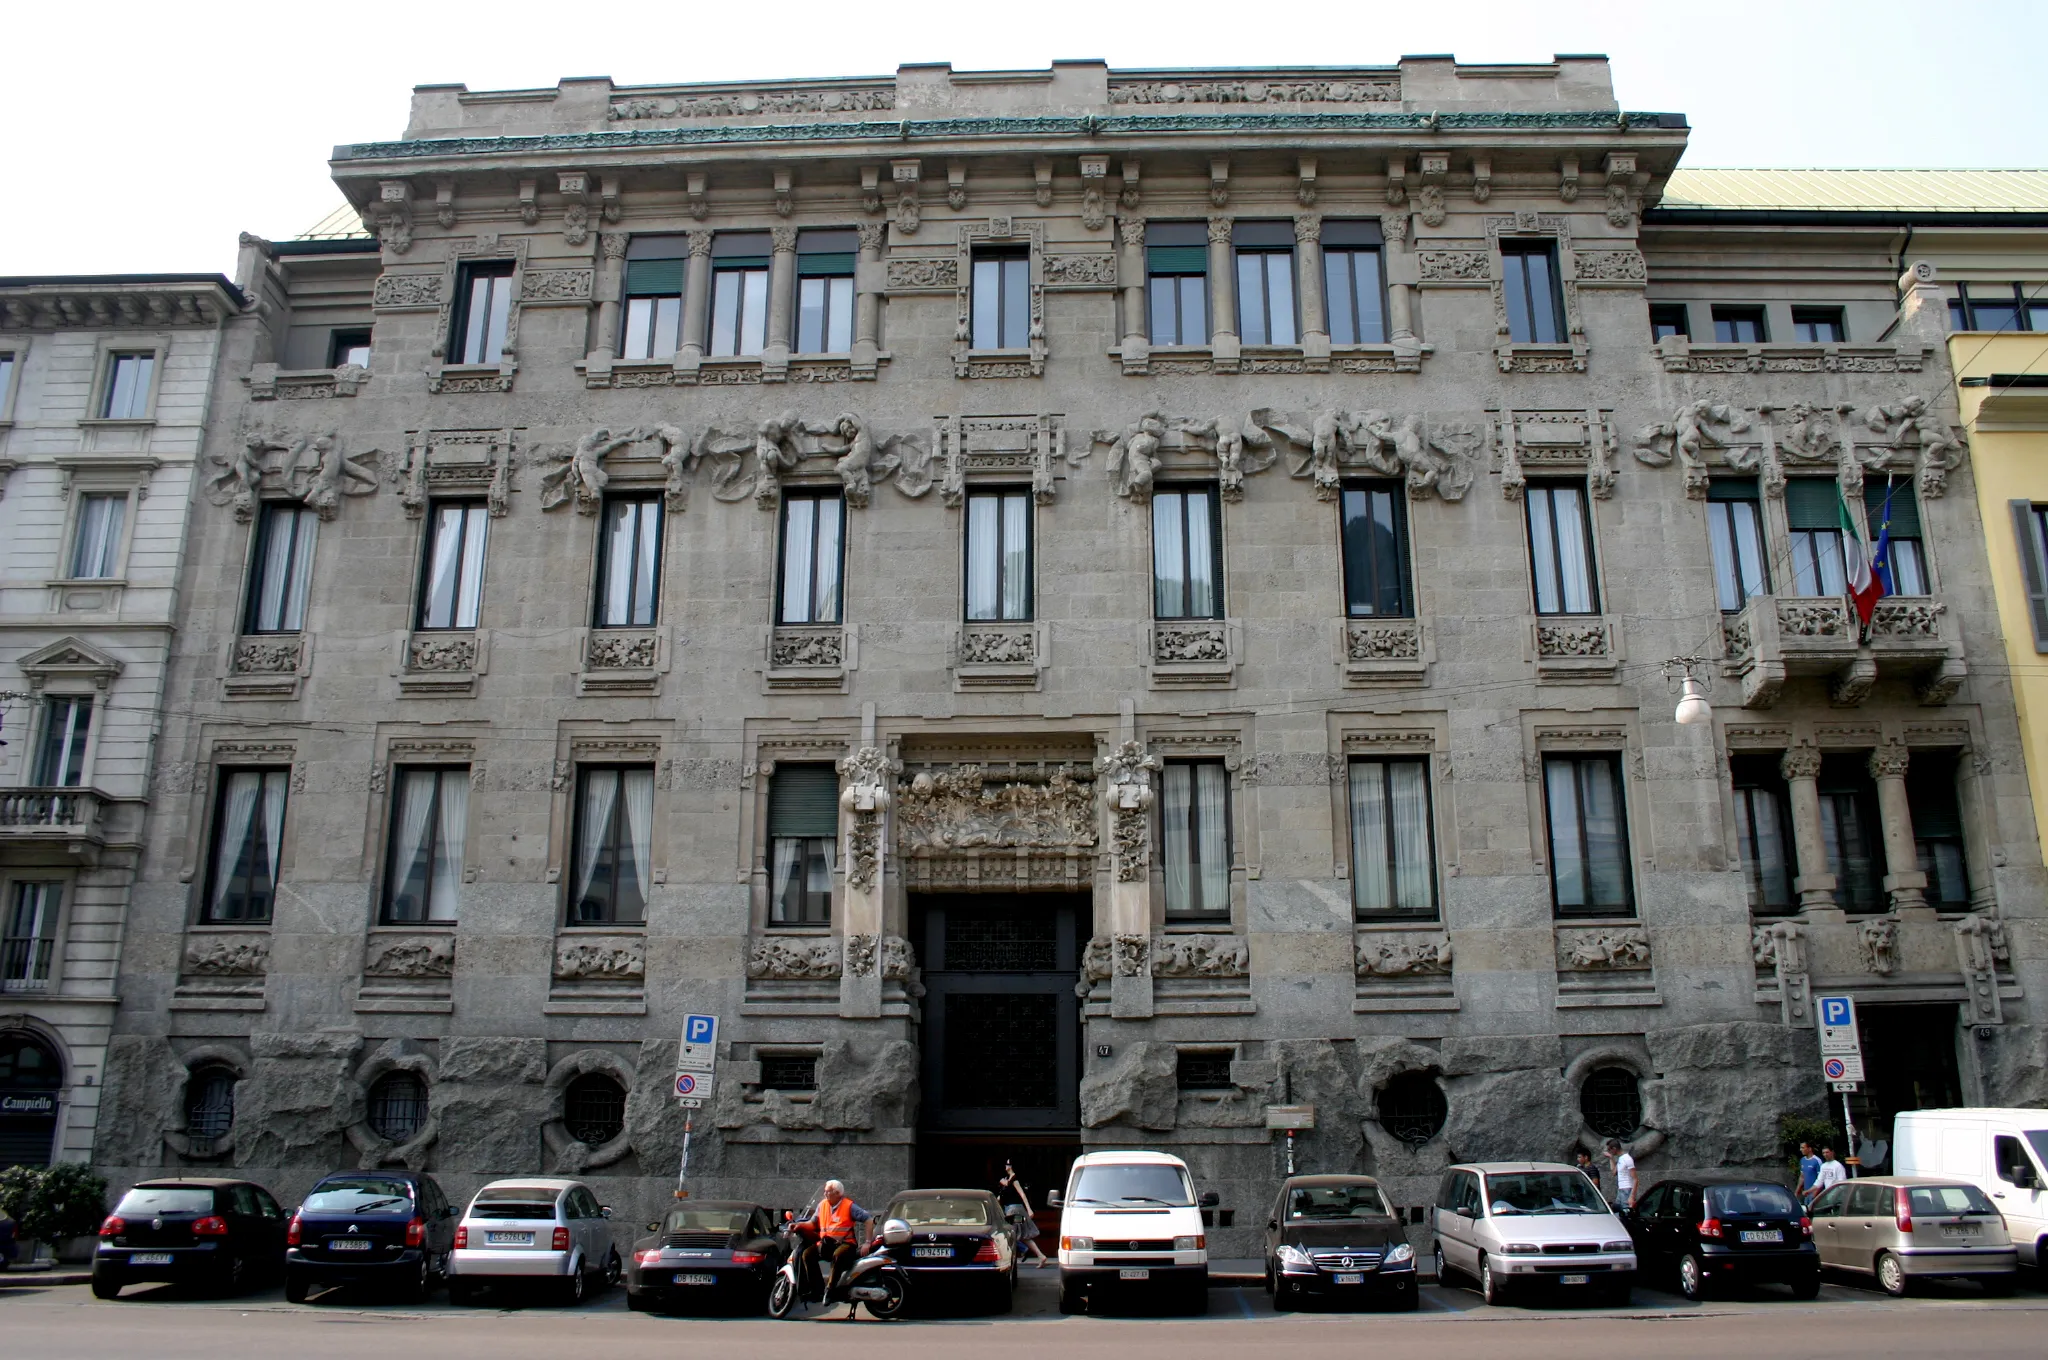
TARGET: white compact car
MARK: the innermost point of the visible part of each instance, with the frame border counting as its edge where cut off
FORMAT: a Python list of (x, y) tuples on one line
[(2004, 1153), (1132, 1221), (533, 1229), (1516, 1226)]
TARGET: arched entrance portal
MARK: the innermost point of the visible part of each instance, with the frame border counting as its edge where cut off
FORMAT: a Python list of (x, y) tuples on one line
[(31, 1077)]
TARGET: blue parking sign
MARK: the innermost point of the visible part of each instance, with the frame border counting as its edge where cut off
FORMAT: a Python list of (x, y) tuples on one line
[(1834, 1010), (700, 1029), (699, 1050)]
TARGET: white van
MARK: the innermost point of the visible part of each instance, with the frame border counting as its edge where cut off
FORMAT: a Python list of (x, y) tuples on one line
[(2004, 1153), (1132, 1221)]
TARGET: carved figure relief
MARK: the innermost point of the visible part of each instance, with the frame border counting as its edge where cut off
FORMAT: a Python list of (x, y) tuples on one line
[(312, 469), (793, 958), (1423, 956), (1323, 447), (599, 960), (1134, 455), (964, 808), (1126, 778), (227, 956), (1594, 950), (867, 779), (428, 956), (1912, 430), (1688, 436), (1200, 956), (1879, 940)]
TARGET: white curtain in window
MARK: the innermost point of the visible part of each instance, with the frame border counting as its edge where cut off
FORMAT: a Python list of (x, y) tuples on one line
[(1574, 570), (1175, 795), (618, 585), (818, 854), (984, 547), (1212, 825), (275, 786), (600, 795), (830, 515), (1372, 875), (474, 530), (1606, 869), (235, 821), (646, 562), (446, 896), (99, 536), (1201, 557), (1016, 556), (639, 838), (799, 539), (1410, 782), (1169, 560), (787, 863), (409, 839), (1561, 793)]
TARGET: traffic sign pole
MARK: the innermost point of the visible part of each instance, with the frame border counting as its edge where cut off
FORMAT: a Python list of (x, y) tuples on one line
[(1841, 1061), (696, 1070)]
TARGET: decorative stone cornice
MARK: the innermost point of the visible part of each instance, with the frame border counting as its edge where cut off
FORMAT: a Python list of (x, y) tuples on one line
[(113, 303)]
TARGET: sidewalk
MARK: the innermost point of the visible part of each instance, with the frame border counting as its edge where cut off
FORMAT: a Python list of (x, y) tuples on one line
[(43, 1274)]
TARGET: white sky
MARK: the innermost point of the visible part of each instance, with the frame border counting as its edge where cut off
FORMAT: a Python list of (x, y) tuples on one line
[(144, 137)]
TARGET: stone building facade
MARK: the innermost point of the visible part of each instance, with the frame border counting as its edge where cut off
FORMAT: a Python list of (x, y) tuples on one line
[(1071, 608)]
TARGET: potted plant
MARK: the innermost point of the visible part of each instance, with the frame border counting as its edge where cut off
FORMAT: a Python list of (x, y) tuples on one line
[(61, 1205)]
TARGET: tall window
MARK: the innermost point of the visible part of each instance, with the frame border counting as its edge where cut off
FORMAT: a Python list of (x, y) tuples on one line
[(248, 838), (803, 828), (739, 292), (1589, 871), (1529, 287), (1561, 548), (60, 748), (454, 584), (1177, 282), (1849, 829), (96, 549), (1813, 511), (1735, 528), (2030, 536), (1819, 326), (614, 845), (483, 313), (629, 563), (128, 380), (1194, 824), (1393, 869), (1999, 307), (1668, 318), (654, 296), (1763, 827), (1740, 325), (1893, 508), (1186, 533), (824, 291), (209, 1106), (6, 379), (1002, 297), (998, 556), (30, 944), (812, 531), (429, 820), (1265, 282), (284, 567), (1354, 287), (350, 346), (1376, 551), (1937, 814)]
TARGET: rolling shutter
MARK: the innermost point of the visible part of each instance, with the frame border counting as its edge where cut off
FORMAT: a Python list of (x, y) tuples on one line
[(2033, 569), (803, 800), (1813, 503), (1905, 510), (654, 278)]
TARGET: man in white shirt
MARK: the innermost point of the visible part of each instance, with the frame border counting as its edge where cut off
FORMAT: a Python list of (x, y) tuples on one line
[(1832, 1172), (1624, 1173)]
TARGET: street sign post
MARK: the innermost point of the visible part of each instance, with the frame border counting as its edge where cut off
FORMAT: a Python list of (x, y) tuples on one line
[(1841, 1060), (696, 1069), (699, 1048)]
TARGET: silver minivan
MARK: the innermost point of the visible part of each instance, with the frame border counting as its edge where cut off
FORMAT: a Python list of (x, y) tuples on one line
[(533, 1228), (1515, 1226), (1903, 1229)]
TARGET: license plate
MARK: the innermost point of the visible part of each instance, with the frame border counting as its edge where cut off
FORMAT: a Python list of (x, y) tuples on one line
[(349, 1244), (1572, 1279), (696, 1279), (1351, 1279), (1763, 1235), (150, 1258), (1959, 1230), (509, 1239), (932, 1251), (1137, 1274)]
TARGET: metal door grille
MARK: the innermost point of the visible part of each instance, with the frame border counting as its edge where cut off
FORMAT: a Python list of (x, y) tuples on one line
[(1002, 944), (1002, 1050)]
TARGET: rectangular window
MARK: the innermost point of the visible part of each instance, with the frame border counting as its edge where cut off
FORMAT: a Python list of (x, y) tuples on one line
[(1849, 829), (1669, 318), (429, 821), (350, 347), (1589, 871), (1819, 326), (1999, 307), (1393, 865), (128, 380), (248, 839), (453, 587), (654, 296), (1002, 298), (96, 549), (1529, 287), (824, 291), (1198, 1069), (629, 563), (1354, 284), (813, 529), (1937, 812), (1375, 516), (6, 380), (483, 295), (1561, 548), (60, 751), (283, 569), (1739, 325), (614, 845), (30, 944), (1763, 827), (2030, 535), (1187, 531), (1265, 282), (1177, 282), (1813, 511), (739, 293), (789, 1071), (1892, 512), (998, 556), (1194, 823), (803, 828), (1735, 529)]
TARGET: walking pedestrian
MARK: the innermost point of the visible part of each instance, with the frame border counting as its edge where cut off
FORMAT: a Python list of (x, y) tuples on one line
[(1831, 1171), (1017, 1208), (1624, 1173), (1809, 1172)]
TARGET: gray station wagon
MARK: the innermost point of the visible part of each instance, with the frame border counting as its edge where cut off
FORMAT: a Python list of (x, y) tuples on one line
[(1903, 1229)]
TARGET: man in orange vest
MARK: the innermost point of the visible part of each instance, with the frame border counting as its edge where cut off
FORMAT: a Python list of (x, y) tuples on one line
[(837, 1219)]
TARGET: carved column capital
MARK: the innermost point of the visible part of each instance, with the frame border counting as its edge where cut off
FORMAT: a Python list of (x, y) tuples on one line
[(1801, 762), (1308, 228), (1889, 761), (700, 243), (1219, 230), (783, 239), (872, 236), (1131, 230)]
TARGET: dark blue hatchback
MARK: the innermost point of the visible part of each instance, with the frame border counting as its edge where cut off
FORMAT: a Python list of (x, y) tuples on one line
[(388, 1229)]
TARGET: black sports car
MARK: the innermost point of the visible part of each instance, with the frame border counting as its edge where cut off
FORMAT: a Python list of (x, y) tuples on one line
[(1333, 1237), (709, 1255), (960, 1248)]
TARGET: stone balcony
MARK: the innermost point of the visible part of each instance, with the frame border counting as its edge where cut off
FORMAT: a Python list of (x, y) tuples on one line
[(76, 818), (1776, 637)]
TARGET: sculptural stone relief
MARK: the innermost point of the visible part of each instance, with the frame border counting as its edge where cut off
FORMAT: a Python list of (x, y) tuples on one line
[(1200, 956), (793, 958), (1423, 956), (312, 469), (1324, 446), (1618, 947), (1126, 777), (964, 807)]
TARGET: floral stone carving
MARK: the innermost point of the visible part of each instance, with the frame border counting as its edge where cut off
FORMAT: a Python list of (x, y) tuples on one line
[(998, 647), (1422, 956), (620, 651), (1126, 775), (1571, 639), (599, 960), (1189, 642), (793, 958), (961, 808), (436, 652), (866, 797), (418, 956), (792, 648), (1594, 950), (227, 956), (266, 656), (1203, 956), (1382, 642)]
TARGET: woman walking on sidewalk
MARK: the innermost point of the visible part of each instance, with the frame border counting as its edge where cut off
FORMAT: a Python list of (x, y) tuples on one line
[(1017, 1206)]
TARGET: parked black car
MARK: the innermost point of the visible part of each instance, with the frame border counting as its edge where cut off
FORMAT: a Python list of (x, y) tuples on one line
[(960, 1248), (392, 1229), (224, 1235), (1333, 1237), (711, 1255), (1714, 1233)]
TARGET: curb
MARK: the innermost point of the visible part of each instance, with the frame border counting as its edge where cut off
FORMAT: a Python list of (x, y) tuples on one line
[(31, 1279)]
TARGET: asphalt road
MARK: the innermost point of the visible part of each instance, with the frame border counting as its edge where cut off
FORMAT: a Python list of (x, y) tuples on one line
[(62, 1322)]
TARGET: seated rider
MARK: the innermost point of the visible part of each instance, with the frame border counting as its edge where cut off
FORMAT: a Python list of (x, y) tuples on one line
[(837, 1219)]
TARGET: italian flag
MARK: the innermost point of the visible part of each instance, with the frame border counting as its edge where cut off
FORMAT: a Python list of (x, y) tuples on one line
[(1865, 589)]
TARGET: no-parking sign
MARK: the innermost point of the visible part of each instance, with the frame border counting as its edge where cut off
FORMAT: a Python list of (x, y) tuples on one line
[(693, 1085)]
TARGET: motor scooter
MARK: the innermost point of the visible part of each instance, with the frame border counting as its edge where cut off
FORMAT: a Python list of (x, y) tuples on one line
[(874, 1280)]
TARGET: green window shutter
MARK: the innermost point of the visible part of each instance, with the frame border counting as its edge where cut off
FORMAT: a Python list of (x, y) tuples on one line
[(1813, 503), (2033, 569), (1905, 510), (1177, 259), (654, 278), (1731, 489), (803, 800), (740, 262), (1931, 796), (825, 263)]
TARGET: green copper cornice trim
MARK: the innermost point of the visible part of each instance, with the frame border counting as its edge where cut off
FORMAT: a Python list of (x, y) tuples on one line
[(945, 129)]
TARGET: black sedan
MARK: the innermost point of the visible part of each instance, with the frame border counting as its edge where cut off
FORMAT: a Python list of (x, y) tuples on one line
[(708, 1255), (1714, 1233), (1333, 1237), (392, 1229), (960, 1250), (220, 1235)]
